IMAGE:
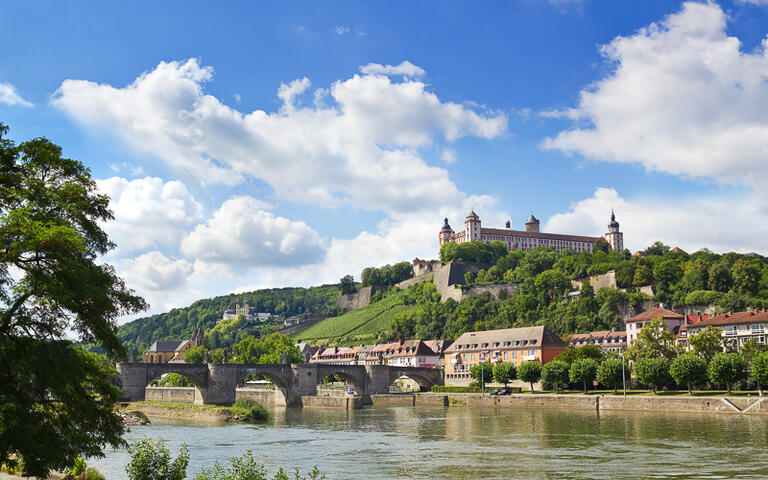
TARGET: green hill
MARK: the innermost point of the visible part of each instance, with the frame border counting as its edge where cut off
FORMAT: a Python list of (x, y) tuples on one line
[(363, 323), (179, 322)]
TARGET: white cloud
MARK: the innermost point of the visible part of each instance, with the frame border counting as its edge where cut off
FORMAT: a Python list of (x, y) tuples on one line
[(362, 150), (754, 2), (155, 272), (683, 99), (340, 30), (405, 68), (9, 96), (719, 222), (148, 212), (448, 155), (242, 233)]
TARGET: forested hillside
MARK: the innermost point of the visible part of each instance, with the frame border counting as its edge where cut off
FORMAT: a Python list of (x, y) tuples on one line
[(179, 322), (731, 281)]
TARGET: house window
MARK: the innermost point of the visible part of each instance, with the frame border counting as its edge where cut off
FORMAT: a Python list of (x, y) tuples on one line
[(505, 356), (730, 330), (758, 328)]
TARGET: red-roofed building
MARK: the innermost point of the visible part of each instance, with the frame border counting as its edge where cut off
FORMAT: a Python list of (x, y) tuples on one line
[(737, 327), (672, 319), (607, 340)]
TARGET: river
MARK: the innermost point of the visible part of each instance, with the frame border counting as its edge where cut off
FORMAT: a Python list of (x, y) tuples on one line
[(464, 443)]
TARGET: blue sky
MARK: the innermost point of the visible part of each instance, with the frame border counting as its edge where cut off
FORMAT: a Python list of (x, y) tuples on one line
[(255, 144)]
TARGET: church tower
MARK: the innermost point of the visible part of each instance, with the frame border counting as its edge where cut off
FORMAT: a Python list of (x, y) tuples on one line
[(472, 225), (614, 237), (445, 232)]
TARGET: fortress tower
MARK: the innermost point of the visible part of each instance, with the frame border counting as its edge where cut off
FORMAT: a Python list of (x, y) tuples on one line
[(472, 225), (445, 232), (614, 237), (533, 224)]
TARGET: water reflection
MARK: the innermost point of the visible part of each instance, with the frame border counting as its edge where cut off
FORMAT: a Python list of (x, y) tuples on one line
[(456, 443)]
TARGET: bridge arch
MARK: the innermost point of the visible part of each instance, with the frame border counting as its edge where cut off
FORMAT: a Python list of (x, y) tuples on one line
[(350, 373), (424, 377), (197, 374), (281, 377)]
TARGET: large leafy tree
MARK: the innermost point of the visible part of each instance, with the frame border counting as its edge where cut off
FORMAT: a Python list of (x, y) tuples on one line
[(529, 372), (583, 371), (652, 371), (269, 349), (482, 373), (689, 370), (612, 373), (56, 400), (654, 341), (727, 369), (504, 373), (555, 373), (707, 343)]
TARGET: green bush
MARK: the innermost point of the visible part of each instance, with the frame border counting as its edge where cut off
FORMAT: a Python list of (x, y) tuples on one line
[(454, 389), (250, 409), (152, 461), (246, 468)]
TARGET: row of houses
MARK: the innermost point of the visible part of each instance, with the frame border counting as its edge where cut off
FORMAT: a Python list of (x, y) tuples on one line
[(407, 353)]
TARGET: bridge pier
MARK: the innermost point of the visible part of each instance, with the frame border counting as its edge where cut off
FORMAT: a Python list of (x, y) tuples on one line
[(132, 380)]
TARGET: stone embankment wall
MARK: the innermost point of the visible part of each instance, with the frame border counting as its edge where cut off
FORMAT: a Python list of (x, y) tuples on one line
[(353, 301), (603, 280), (348, 402), (187, 395), (301, 326)]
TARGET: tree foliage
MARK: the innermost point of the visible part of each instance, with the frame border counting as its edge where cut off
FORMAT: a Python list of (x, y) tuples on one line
[(555, 374), (652, 371), (530, 372), (759, 370), (267, 350), (689, 370), (504, 373), (727, 369), (386, 275), (583, 371), (612, 373), (482, 373), (53, 281), (654, 341), (707, 343)]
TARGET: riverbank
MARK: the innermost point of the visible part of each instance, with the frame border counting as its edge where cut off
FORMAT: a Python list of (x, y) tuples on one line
[(201, 413)]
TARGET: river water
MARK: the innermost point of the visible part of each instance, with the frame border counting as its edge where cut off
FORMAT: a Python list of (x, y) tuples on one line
[(464, 443)]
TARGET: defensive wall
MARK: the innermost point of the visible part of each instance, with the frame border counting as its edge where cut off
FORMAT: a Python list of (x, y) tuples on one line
[(353, 301)]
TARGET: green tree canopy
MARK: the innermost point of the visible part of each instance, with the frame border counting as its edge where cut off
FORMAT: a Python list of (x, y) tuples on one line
[(611, 373), (269, 349), (583, 371), (52, 280), (504, 373), (707, 343), (482, 373), (347, 284), (759, 370), (654, 341), (530, 372), (652, 371), (727, 369), (571, 354), (555, 373), (688, 370)]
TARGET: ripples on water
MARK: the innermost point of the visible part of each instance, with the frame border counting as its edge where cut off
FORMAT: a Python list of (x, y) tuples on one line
[(463, 443)]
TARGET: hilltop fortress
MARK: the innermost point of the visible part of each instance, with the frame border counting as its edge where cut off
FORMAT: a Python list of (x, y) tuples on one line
[(531, 237)]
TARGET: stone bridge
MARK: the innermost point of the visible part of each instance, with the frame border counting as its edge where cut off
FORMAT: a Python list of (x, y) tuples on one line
[(215, 383)]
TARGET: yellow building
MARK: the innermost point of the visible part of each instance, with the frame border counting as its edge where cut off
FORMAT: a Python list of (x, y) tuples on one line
[(165, 351)]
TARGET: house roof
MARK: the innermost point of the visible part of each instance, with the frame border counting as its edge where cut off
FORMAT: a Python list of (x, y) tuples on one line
[(738, 318), (164, 346), (599, 335), (527, 337), (655, 312)]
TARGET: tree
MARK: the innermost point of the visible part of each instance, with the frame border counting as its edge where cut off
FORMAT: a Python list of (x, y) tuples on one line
[(530, 372), (751, 348), (654, 341), (482, 373), (611, 373), (551, 285), (267, 350), (719, 278), (707, 343), (727, 369), (555, 373), (174, 380), (652, 371), (746, 276), (583, 371), (571, 354), (347, 284), (759, 370), (52, 281), (152, 461), (504, 373), (643, 276), (689, 370), (195, 354)]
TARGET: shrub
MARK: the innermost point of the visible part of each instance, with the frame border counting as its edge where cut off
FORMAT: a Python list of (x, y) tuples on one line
[(583, 371), (555, 373), (529, 372), (246, 468), (250, 409), (152, 461), (652, 371)]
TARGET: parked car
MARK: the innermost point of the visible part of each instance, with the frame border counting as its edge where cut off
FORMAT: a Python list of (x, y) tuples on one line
[(500, 391)]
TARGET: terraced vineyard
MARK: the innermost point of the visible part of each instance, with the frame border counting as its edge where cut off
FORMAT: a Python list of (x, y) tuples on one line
[(371, 319)]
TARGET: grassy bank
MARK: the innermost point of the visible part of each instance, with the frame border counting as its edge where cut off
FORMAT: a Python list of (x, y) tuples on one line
[(241, 411)]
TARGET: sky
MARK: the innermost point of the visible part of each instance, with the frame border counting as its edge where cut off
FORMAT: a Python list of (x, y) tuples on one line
[(253, 145)]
